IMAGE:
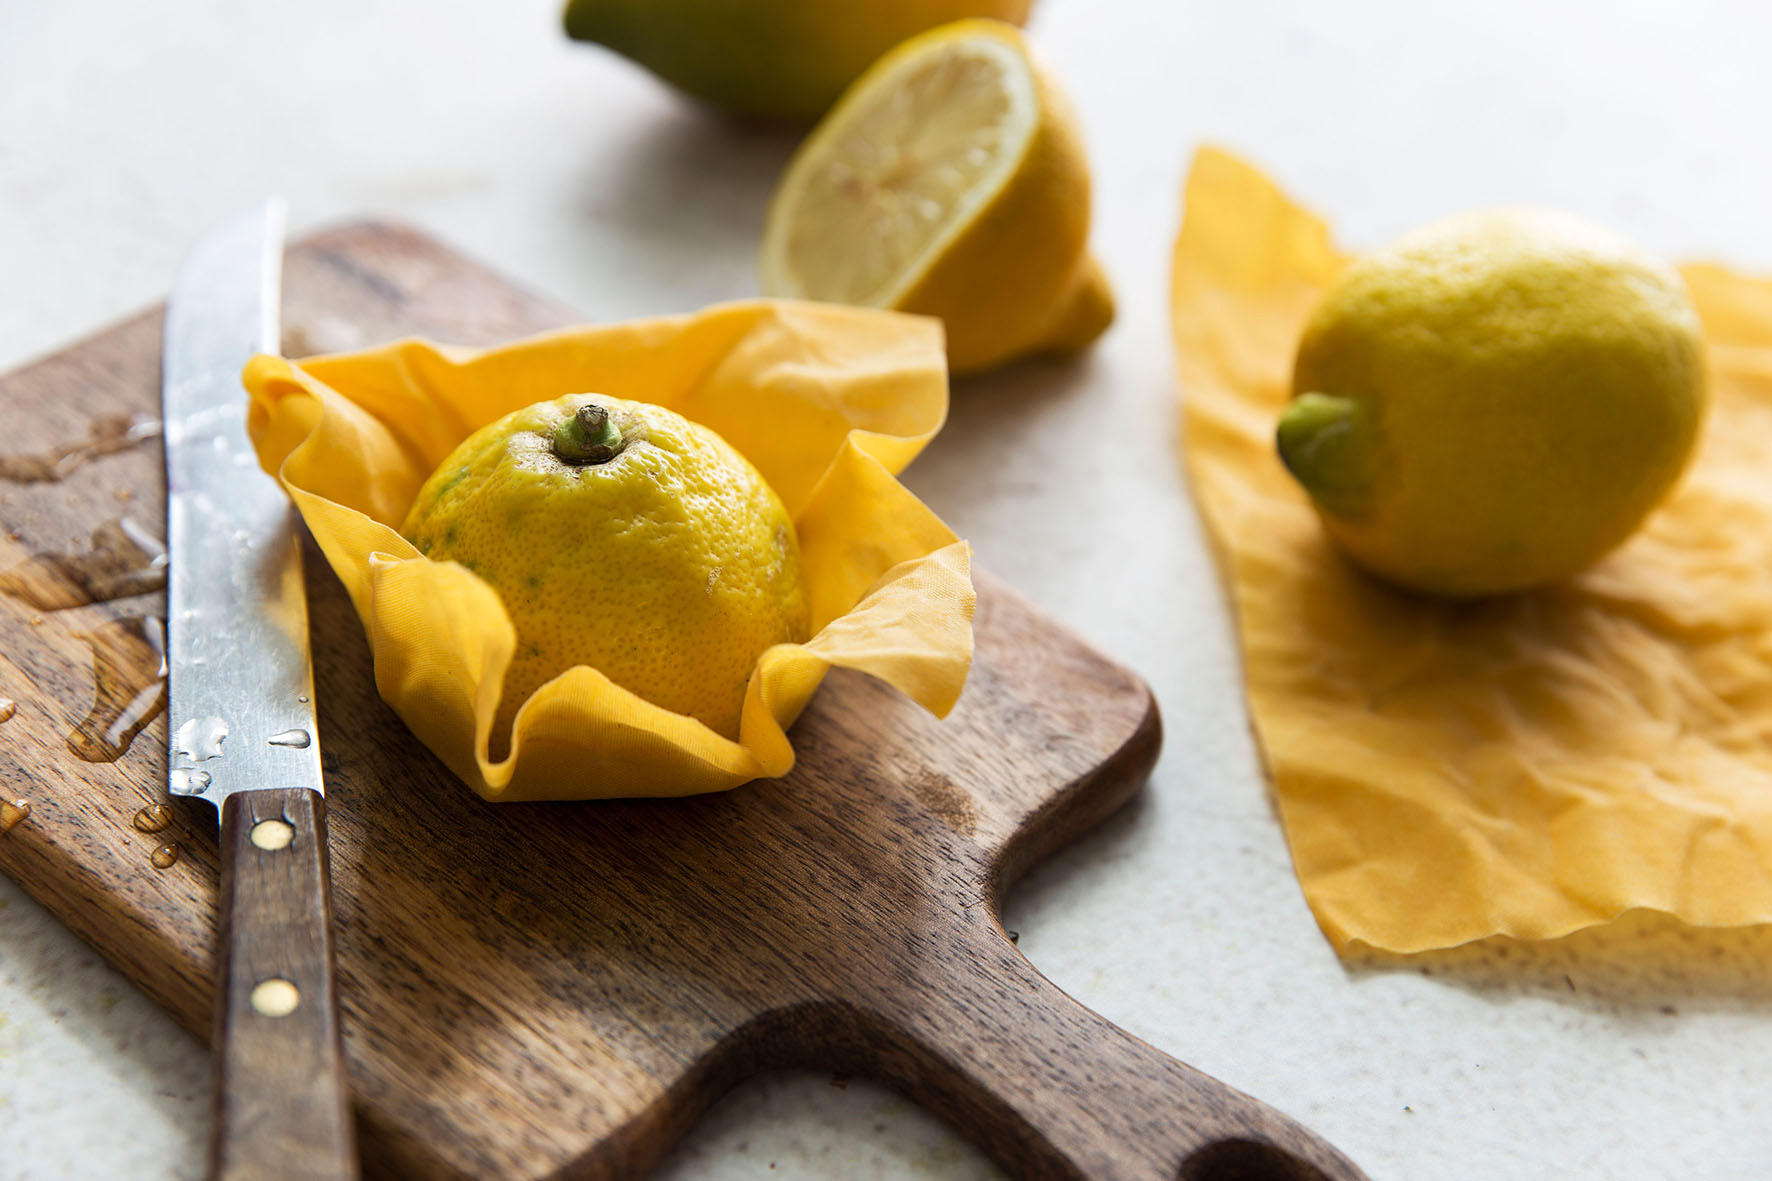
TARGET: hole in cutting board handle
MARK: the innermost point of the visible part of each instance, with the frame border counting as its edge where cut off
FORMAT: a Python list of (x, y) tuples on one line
[(1247, 1160)]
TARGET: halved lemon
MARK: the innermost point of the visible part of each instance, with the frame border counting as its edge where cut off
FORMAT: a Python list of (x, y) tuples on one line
[(949, 180)]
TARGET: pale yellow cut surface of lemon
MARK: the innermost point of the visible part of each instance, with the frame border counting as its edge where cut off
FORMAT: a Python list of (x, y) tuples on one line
[(950, 181)]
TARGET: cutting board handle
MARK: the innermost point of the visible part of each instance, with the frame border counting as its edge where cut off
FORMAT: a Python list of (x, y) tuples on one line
[(1052, 1089), (281, 1107)]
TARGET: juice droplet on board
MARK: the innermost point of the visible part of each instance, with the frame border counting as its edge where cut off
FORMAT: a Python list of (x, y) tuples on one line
[(8, 707), (106, 435), (12, 814), (299, 739), (124, 559), (164, 856), (153, 818), (129, 686)]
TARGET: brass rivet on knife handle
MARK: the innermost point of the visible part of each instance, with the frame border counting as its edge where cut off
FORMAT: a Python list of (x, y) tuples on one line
[(275, 997), (272, 835), (279, 1050)]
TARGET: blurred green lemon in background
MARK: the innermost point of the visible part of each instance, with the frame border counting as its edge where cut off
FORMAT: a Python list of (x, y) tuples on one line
[(1494, 401), (787, 59)]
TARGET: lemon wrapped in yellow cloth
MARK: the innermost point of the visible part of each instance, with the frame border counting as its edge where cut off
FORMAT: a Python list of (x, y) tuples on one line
[(1526, 765), (828, 403)]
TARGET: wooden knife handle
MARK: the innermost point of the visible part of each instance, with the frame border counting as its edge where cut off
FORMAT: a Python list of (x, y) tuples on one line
[(281, 1105), (1052, 1089)]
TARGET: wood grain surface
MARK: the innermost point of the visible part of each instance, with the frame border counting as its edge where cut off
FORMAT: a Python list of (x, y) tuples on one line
[(547, 989)]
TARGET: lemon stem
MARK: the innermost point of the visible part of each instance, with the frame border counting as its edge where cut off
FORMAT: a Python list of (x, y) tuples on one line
[(1322, 444), (590, 436)]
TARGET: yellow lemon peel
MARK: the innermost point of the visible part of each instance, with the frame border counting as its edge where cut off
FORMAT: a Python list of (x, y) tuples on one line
[(625, 537), (1494, 400)]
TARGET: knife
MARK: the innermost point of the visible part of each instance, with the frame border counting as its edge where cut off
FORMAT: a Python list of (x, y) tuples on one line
[(244, 738)]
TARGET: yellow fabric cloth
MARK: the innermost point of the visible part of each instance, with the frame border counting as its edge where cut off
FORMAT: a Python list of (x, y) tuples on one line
[(1524, 766), (829, 403)]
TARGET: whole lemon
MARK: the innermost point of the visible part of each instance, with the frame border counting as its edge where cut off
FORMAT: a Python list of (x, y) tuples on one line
[(621, 536), (786, 59), (1494, 401)]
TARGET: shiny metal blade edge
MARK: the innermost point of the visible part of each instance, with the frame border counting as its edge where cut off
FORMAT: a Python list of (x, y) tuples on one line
[(241, 693)]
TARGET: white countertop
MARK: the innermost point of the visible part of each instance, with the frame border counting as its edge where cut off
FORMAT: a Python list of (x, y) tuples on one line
[(126, 129)]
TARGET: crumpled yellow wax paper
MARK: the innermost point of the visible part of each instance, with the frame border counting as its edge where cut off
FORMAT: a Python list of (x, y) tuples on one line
[(829, 403), (1527, 765)]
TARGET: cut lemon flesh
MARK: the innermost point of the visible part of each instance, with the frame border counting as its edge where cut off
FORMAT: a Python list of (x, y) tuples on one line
[(898, 170)]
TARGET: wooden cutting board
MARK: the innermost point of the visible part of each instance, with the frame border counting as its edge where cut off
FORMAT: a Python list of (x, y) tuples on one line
[(540, 990)]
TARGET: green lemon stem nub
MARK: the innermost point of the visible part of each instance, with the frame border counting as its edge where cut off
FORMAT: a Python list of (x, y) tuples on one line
[(590, 436), (1326, 446)]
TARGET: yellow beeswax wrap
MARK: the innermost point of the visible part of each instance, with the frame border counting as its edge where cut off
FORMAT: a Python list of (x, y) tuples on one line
[(1527, 765), (829, 403)]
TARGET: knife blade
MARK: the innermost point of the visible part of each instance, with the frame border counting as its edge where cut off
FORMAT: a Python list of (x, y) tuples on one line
[(242, 721)]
